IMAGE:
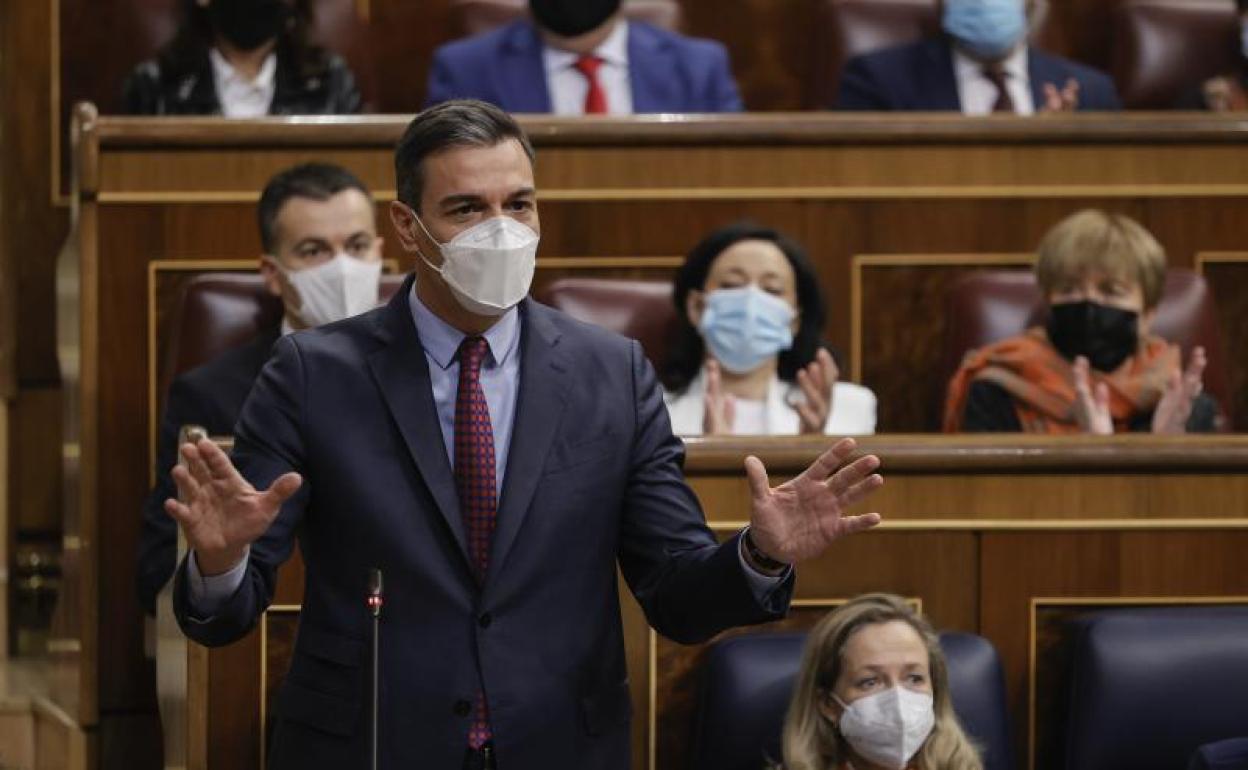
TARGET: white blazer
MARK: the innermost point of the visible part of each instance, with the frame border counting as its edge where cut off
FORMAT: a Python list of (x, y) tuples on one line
[(853, 409)]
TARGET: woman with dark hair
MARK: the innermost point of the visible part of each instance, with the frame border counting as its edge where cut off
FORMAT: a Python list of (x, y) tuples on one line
[(748, 359), (242, 59)]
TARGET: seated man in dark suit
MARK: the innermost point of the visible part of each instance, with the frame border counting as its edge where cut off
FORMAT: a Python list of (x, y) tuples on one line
[(323, 258), (981, 64), (580, 57)]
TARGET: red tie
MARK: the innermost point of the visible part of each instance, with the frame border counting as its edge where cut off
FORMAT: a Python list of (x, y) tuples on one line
[(475, 482), (595, 98)]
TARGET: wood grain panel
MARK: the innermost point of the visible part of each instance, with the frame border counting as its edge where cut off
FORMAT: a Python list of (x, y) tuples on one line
[(1228, 278), (1015, 568)]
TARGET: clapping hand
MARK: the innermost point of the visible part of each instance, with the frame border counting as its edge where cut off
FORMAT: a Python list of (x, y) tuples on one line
[(1065, 99), (816, 381), (718, 408), (222, 514), (1091, 401), (799, 519), (1181, 391)]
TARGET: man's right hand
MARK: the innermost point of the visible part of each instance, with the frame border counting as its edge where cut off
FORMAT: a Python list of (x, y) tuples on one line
[(219, 511)]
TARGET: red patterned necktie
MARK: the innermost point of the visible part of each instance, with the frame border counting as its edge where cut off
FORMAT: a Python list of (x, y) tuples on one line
[(475, 482), (996, 73), (595, 98)]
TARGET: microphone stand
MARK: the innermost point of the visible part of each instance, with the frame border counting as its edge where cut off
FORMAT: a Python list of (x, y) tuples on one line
[(374, 606)]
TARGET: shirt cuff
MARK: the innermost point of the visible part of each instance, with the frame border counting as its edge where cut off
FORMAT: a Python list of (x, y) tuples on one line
[(209, 594), (760, 585)]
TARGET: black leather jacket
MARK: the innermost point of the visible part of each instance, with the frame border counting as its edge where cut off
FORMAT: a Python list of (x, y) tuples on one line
[(328, 90)]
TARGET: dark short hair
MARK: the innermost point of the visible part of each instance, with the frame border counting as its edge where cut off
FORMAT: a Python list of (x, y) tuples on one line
[(187, 52), (457, 123), (687, 352), (318, 181)]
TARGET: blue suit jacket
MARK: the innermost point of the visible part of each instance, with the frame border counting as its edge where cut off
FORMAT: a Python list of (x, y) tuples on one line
[(594, 477), (920, 76), (669, 72)]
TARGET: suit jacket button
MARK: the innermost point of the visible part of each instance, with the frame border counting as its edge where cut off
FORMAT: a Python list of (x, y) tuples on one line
[(485, 620), (463, 708)]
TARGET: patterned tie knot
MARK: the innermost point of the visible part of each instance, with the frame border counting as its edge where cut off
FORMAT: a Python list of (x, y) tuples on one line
[(996, 73), (472, 352), (588, 66)]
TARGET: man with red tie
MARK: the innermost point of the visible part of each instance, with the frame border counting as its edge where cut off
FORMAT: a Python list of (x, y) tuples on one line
[(581, 57), (496, 460)]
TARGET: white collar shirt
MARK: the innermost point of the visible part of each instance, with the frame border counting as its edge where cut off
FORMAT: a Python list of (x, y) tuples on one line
[(240, 97), (978, 94), (568, 87)]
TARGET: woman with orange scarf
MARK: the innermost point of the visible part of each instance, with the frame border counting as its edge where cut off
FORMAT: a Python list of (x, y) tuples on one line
[(1093, 367)]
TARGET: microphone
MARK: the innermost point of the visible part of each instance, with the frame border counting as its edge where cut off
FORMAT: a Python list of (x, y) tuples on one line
[(374, 602)]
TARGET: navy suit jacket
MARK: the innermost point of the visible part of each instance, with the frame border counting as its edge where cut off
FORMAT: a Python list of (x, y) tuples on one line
[(919, 76), (669, 72), (210, 396), (594, 477)]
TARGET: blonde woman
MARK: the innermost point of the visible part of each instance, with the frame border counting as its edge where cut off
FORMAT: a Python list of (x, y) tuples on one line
[(873, 694)]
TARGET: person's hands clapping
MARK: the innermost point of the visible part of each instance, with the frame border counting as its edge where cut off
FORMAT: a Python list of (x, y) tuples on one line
[(1065, 99), (1091, 401), (1175, 406), (719, 408), (816, 381), (220, 512)]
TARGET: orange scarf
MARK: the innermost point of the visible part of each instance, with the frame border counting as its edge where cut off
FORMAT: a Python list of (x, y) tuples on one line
[(1042, 382)]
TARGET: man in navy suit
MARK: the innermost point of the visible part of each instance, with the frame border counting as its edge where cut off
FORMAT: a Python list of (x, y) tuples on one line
[(582, 57), (307, 214), (496, 459), (981, 64)]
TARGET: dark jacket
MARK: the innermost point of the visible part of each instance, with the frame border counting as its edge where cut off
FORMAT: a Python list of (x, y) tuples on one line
[(990, 409), (593, 480), (668, 72), (210, 396), (158, 87), (920, 77)]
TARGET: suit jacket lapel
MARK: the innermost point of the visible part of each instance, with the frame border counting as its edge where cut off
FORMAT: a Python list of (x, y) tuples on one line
[(939, 83), (539, 405), (1039, 72), (650, 69), (521, 74), (402, 375)]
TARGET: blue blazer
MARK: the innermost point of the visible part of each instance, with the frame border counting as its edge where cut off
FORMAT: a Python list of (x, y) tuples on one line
[(593, 479), (669, 72), (920, 76)]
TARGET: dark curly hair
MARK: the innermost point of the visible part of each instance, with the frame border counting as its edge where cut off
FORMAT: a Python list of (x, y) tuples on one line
[(687, 352), (186, 52)]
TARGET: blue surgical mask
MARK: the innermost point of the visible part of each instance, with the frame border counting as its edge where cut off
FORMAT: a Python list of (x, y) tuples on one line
[(987, 29), (745, 326)]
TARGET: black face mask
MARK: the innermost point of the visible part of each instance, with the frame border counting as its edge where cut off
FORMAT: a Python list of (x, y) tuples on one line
[(1105, 335), (569, 18), (249, 24)]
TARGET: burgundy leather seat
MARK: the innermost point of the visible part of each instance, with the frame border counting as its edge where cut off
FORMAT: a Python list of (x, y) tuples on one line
[(987, 306), (1164, 47), (847, 28), (642, 310), (220, 311), (472, 16)]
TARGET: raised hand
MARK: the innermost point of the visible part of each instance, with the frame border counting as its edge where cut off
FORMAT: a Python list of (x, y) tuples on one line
[(1091, 403), (816, 381), (719, 409), (219, 511), (1181, 391), (799, 519)]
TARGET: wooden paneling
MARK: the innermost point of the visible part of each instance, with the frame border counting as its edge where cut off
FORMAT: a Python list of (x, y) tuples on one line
[(1227, 274), (641, 192)]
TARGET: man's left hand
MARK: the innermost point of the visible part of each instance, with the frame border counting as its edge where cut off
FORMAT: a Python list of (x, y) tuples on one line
[(799, 519)]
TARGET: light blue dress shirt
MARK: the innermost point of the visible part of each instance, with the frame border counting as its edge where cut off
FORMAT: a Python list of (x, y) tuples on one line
[(500, 379)]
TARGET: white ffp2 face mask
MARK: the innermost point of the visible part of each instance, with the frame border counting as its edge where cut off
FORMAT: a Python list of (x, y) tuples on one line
[(340, 288), (488, 267), (888, 728)]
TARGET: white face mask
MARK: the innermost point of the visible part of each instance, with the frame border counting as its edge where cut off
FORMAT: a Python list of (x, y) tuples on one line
[(340, 288), (488, 267), (888, 728)]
